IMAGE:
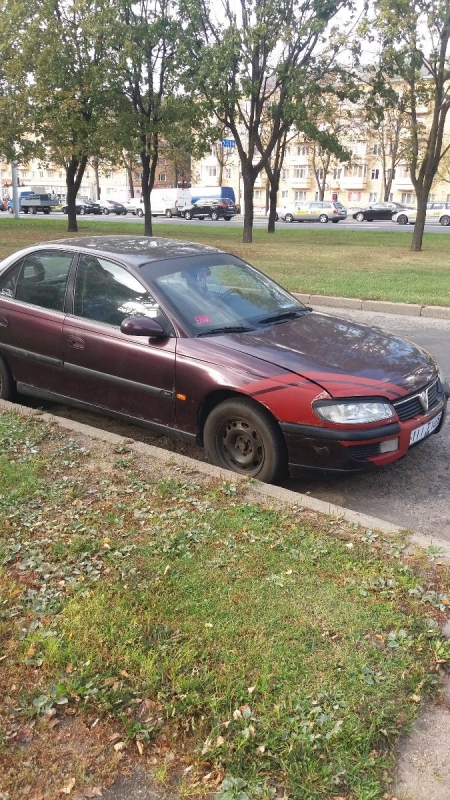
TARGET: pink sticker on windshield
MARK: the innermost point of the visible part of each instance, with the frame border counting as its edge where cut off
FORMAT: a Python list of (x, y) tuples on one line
[(202, 320)]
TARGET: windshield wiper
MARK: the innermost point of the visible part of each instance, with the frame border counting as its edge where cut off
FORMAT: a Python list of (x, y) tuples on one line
[(285, 315), (227, 329)]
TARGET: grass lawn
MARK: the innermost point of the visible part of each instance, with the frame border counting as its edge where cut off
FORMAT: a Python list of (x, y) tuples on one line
[(362, 264), (255, 651)]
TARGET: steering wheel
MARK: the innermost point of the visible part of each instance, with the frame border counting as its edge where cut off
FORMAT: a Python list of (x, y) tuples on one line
[(226, 294)]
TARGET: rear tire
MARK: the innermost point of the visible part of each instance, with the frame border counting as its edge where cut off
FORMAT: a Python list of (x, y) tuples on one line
[(244, 438), (323, 218), (359, 217), (7, 383), (187, 215), (82, 210), (402, 219), (139, 212), (106, 211), (445, 220), (168, 213), (214, 216), (289, 218)]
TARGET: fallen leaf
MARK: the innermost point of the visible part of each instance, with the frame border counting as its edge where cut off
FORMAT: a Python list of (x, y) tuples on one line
[(67, 789), (139, 746), (119, 746)]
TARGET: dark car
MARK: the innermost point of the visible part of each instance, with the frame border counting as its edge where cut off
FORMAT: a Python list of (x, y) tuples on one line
[(214, 208), (85, 207), (381, 210), (195, 343)]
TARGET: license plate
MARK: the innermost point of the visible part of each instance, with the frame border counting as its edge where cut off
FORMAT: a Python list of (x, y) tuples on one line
[(424, 430)]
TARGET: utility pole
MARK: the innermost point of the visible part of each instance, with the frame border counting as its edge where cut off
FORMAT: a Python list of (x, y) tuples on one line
[(14, 190)]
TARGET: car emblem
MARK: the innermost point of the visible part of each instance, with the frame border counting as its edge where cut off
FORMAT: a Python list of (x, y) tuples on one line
[(423, 397)]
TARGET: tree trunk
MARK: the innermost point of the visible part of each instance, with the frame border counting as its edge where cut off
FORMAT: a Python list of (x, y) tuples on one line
[(416, 244), (145, 160), (130, 180), (74, 176), (273, 193), (249, 182), (97, 178)]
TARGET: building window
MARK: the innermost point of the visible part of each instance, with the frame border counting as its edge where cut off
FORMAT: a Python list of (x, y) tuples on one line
[(354, 197), (284, 174), (24, 174), (41, 173), (320, 174), (300, 172), (228, 173), (375, 174), (404, 172), (209, 171), (302, 150), (337, 173), (162, 177), (257, 194), (108, 174), (299, 197), (376, 149), (431, 197), (408, 198), (373, 197), (285, 194), (355, 171)]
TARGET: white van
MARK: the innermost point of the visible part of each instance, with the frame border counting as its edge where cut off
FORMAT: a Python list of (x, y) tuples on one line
[(164, 202)]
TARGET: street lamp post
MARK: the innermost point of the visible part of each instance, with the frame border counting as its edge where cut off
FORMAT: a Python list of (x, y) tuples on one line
[(15, 193)]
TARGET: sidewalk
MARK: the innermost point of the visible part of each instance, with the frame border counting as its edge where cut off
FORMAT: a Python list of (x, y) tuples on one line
[(383, 306)]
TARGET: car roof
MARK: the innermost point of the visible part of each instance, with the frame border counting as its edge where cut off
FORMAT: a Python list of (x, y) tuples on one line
[(133, 250)]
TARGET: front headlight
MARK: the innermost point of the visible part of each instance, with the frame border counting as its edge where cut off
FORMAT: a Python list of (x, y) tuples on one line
[(353, 412)]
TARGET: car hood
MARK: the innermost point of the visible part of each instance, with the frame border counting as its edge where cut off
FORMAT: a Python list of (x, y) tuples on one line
[(341, 356)]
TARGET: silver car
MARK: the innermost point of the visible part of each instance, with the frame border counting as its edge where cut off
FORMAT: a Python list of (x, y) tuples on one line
[(316, 211)]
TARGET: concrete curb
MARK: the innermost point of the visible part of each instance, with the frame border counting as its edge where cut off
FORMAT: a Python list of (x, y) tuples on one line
[(255, 489), (384, 306)]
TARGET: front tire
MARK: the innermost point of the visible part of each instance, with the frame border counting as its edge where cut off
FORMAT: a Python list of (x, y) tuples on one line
[(106, 211), (359, 217), (168, 213), (445, 220), (7, 383), (402, 219), (323, 218), (214, 216), (82, 210), (244, 438), (289, 218), (139, 212), (187, 215)]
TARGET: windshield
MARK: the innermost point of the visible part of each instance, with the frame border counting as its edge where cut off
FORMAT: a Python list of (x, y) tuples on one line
[(225, 297)]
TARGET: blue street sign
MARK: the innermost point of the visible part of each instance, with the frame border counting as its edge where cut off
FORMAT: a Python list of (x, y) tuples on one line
[(228, 143)]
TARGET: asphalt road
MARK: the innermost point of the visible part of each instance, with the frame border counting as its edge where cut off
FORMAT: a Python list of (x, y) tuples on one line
[(259, 222)]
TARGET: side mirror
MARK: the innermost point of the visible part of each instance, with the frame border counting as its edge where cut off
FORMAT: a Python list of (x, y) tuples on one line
[(143, 326)]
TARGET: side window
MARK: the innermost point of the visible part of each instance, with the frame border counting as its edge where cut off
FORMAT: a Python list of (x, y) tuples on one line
[(43, 279), (108, 293), (8, 281)]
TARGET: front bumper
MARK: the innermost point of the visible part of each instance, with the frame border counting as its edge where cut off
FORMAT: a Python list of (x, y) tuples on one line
[(315, 447)]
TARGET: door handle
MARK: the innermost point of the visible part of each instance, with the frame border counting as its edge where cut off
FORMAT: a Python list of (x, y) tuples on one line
[(76, 342), (3, 322)]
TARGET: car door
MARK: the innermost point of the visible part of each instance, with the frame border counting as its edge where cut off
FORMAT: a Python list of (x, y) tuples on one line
[(32, 298), (108, 369)]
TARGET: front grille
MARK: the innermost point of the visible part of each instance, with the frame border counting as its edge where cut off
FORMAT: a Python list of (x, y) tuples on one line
[(411, 406), (362, 451)]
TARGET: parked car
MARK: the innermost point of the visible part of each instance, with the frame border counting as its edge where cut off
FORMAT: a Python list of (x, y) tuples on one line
[(218, 208), (381, 210), (436, 212), (84, 207), (317, 211), (112, 207), (194, 342)]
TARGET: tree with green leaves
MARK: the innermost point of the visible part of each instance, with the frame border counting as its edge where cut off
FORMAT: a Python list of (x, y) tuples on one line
[(149, 111), (246, 57), (414, 72), (55, 62)]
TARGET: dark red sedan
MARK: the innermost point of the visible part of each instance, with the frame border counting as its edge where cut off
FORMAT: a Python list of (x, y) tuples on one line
[(195, 343)]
